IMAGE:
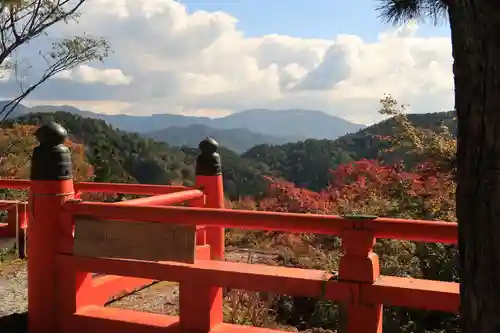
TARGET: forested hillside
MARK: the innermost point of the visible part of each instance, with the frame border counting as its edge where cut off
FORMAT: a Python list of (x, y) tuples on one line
[(306, 163), (119, 156)]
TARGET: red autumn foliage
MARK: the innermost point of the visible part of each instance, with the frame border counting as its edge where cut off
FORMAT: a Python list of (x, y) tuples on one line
[(369, 187)]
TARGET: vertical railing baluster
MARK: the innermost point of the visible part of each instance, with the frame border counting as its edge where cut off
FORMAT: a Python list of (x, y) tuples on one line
[(51, 186), (359, 265), (200, 305)]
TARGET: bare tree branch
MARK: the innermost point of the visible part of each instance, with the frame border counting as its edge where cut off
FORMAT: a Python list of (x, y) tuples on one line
[(24, 23), (64, 55)]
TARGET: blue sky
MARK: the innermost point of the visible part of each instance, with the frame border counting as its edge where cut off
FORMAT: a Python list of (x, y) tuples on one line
[(186, 62), (309, 19)]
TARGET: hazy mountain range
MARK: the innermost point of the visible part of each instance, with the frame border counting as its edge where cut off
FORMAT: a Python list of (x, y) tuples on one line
[(238, 131), (237, 139)]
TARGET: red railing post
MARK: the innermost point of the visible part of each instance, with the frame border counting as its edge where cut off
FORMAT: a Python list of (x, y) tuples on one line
[(209, 179), (17, 217), (51, 186), (360, 264), (200, 305)]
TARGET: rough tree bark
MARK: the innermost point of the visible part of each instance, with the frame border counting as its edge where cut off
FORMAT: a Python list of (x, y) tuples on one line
[(475, 27)]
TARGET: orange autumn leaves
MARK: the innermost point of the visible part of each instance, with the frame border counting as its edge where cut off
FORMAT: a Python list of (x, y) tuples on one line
[(16, 147)]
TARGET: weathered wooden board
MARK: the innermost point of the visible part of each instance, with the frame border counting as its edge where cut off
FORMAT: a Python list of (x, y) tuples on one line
[(149, 241)]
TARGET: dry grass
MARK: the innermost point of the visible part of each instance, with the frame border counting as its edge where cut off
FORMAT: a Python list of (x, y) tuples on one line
[(260, 308), (250, 308)]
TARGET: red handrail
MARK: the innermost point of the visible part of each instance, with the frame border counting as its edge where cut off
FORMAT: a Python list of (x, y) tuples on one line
[(423, 231), (358, 284)]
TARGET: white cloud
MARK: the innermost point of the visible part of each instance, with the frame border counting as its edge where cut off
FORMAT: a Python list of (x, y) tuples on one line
[(6, 70), (91, 75), (5, 75), (168, 60)]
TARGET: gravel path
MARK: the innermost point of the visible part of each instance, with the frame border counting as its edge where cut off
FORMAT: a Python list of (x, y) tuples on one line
[(13, 289), (13, 297)]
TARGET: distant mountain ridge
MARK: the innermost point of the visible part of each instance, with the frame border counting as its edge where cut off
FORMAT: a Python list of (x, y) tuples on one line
[(238, 140), (292, 124)]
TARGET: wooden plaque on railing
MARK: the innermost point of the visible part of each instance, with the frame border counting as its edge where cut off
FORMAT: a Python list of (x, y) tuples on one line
[(148, 241)]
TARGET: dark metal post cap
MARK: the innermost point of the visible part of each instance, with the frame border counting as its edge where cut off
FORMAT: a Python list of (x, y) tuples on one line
[(208, 146), (208, 161), (51, 134), (51, 159)]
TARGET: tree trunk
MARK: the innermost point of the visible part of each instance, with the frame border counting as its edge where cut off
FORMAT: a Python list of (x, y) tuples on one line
[(475, 27)]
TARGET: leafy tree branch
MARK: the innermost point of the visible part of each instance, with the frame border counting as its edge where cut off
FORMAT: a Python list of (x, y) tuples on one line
[(21, 24)]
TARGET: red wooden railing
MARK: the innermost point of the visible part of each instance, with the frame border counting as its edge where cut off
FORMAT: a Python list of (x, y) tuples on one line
[(58, 291), (358, 283)]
